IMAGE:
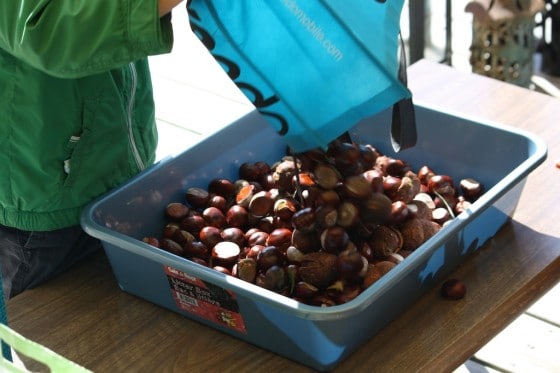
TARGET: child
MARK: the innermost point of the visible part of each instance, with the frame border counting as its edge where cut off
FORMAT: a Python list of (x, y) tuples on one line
[(76, 119)]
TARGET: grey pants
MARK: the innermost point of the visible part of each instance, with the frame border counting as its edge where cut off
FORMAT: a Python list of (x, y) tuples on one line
[(29, 258)]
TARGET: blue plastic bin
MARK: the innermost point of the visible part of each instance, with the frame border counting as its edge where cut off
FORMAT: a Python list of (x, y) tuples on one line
[(498, 156)]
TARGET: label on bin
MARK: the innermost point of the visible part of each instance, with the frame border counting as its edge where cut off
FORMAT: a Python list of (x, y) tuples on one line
[(205, 299)]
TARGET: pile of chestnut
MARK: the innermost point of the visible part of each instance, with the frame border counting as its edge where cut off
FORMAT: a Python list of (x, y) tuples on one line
[(319, 226)]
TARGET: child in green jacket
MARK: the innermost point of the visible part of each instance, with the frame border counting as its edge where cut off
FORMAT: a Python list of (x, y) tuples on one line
[(76, 119)]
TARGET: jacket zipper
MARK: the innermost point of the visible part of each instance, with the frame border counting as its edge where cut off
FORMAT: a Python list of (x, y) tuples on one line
[(131, 139)]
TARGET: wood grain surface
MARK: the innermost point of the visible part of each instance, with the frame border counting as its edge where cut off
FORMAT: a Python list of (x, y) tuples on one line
[(84, 316)]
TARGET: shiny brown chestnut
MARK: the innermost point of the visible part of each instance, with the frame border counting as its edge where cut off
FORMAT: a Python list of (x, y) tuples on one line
[(176, 210), (193, 223), (234, 234), (261, 204), (210, 236), (442, 185), (348, 214), (197, 197), (281, 238), (196, 249), (334, 239), (326, 175), (237, 216), (269, 256), (453, 289), (222, 187), (225, 254), (471, 189), (214, 217)]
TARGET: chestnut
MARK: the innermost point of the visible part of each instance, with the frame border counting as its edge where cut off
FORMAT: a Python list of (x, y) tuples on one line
[(151, 241), (385, 240), (319, 269), (440, 215), (245, 194), (173, 247), (424, 174), (399, 213), (223, 270), (176, 210), (197, 197), (326, 175), (269, 256), (305, 290), (294, 255), (417, 231), (391, 186), (348, 214), (237, 216), (274, 278), (170, 230), (376, 209), (375, 178), (328, 197), (285, 208), (214, 217), (258, 237), (303, 180), (193, 223), (196, 249), (368, 155), (346, 157), (250, 171), (442, 185), (349, 264), (234, 234), (304, 241), (391, 166), (426, 199), (304, 219), (326, 216), (281, 238), (471, 189), (283, 174), (183, 237), (461, 205), (385, 266), (210, 236), (373, 274), (225, 254), (334, 239), (253, 251), (222, 187), (408, 188), (246, 269), (218, 202), (453, 289), (357, 186), (261, 204)]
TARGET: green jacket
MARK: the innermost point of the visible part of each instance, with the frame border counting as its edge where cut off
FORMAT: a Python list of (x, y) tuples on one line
[(76, 114)]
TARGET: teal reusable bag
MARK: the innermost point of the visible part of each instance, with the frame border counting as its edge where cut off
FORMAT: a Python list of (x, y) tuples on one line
[(313, 68), (5, 352)]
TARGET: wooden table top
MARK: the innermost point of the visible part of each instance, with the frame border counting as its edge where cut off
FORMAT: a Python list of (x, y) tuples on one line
[(84, 316)]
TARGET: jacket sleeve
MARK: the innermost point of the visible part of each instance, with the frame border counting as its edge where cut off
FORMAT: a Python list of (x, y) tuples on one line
[(75, 38)]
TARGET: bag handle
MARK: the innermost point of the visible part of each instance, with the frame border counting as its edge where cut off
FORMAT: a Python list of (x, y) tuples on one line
[(403, 123), (37, 352)]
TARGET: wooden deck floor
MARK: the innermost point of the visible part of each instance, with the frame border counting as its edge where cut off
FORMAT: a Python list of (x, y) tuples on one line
[(194, 99)]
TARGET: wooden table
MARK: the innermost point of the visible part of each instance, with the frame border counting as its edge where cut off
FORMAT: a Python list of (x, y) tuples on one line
[(84, 316)]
